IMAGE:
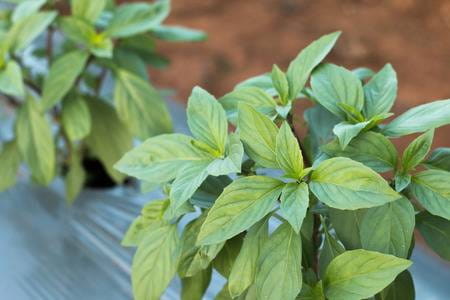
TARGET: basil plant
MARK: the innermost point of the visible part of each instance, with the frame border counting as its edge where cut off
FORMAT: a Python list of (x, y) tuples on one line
[(282, 216), (69, 109)]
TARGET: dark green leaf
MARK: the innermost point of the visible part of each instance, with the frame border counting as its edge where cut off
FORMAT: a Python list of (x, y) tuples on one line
[(193, 288), (439, 159), (436, 232)]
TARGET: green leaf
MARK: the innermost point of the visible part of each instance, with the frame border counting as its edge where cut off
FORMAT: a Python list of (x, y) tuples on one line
[(370, 148), (134, 18), (263, 82), (61, 77), (23, 32), (9, 165), (194, 287), (436, 232), (300, 68), (178, 34), (346, 184), (280, 83), (380, 92), (401, 288), (439, 159), (75, 177), (243, 203), (131, 61), (76, 118), (195, 258), (253, 96), (226, 258), (347, 225), (35, 142), (389, 228), (243, 272), (232, 162), (151, 214), (140, 106), (11, 82), (159, 158), (311, 293), (259, 135), (420, 119), (346, 131), (25, 9), (107, 147), (207, 120), (363, 73), (332, 85), (279, 273), (288, 153), (294, 204), (431, 188), (330, 250), (416, 152), (209, 191), (402, 180), (359, 274), (155, 262), (87, 9)]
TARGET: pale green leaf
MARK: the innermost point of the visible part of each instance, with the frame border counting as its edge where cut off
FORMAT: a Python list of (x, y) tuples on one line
[(346, 184), (87, 9), (294, 204), (370, 148), (280, 83), (9, 165), (420, 119), (259, 135), (388, 228), (140, 106), (155, 262), (432, 189), (288, 153), (61, 77), (363, 73), (194, 287), (359, 274), (416, 152), (300, 68), (436, 232), (439, 159), (347, 224), (133, 18), (178, 34), (77, 29), (346, 131), (109, 139), (26, 8), (76, 118), (35, 142), (131, 61), (11, 82), (380, 92), (159, 158), (402, 180), (263, 82), (243, 272), (207, 119), (253, 96), (232, 162), (241, 204), (331, 249), (75, 177), (279, 273), (332, 85)]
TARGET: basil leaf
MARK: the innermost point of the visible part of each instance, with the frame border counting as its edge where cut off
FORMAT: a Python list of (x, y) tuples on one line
[(35, 142), (225, 260), (26, 8), (155, 262), (11, 81), (330, 250), (402, 181), (280, 83), (370, 148), (389, 228), (288, 153), (207, 120), (420, 118), (432, 190), (140, 106), (233, 160), (243, 203), (359, 274), (346, 131), (347, 224), (75, 178), (194, 287), (436, 232), (76, 118), (9, 165), (159, 158), (87, 9), (439, 159), (417, 151), (380, 92), (279, 273), (346, 184), (300, 68), (401, 288), (332, 85), (259, 135), (294, 204), (178, 34)]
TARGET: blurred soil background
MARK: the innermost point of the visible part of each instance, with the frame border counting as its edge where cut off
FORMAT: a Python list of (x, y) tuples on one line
[(247, 36)]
